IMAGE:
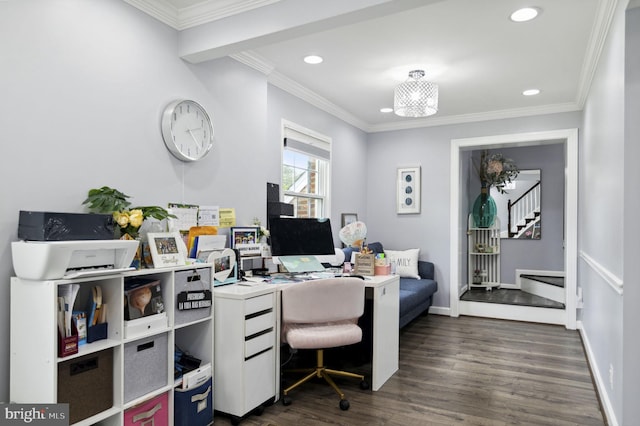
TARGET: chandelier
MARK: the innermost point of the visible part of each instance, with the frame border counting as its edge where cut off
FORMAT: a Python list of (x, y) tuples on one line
[(416, 97)]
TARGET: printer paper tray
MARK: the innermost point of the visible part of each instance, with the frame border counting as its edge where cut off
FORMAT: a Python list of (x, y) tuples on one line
[(95, 272)]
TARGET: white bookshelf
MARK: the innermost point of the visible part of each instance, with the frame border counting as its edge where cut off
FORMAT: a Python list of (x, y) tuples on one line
[(34, 359), (484, 254)]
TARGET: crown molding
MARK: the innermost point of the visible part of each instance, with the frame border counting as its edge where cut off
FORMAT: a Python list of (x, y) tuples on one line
[(300, 91), (213, 10), (198, 14), (159, 9), (257, 62), (474, 117), (599, 31)]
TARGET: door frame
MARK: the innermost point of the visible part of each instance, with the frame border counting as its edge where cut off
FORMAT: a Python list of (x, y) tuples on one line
[(458, 222)]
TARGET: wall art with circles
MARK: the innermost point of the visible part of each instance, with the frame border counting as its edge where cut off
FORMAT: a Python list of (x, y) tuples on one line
[(408, 200)]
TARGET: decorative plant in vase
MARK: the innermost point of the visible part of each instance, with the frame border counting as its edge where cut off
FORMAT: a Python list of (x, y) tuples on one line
[(129, 219), (494, 170)]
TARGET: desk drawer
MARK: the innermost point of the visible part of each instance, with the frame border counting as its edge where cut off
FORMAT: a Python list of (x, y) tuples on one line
[(258, 344), (260, 323), (257, 304)]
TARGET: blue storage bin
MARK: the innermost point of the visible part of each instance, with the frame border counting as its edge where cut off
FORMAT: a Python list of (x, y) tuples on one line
[(194, 407)]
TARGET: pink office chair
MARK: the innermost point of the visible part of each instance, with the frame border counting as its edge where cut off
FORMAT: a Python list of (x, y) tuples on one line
[(323, 314)]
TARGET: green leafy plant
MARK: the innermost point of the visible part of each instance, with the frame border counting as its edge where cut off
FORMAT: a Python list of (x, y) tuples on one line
[(109, 200), (496, 170)]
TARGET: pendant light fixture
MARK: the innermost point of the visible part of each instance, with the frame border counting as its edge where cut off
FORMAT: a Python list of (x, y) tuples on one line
[(416, 97)]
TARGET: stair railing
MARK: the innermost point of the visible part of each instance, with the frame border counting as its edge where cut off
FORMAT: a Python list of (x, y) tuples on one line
[(523, 208)]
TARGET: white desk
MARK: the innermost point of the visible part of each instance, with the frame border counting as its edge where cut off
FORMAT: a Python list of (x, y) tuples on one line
[(382, 290)]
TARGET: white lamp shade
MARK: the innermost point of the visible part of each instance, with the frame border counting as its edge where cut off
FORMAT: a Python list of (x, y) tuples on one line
[(416, 97), (353, 234)]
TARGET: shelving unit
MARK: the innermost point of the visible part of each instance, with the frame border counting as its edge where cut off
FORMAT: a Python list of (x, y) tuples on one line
[(35, 364), (484, 255)]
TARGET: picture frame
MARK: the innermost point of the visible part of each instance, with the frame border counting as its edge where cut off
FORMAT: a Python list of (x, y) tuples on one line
[(225, 267), (246, 240), (167, 249), (348, 218), (243, 235), (408, 190)]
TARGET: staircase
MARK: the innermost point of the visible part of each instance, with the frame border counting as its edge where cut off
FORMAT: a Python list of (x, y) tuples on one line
[(549, 285), (524, 214)]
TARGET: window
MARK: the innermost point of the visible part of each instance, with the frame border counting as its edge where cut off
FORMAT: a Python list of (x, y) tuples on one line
[(306, 159)]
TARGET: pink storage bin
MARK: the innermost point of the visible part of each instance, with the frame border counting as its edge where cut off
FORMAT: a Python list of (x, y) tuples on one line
[(152, 412)]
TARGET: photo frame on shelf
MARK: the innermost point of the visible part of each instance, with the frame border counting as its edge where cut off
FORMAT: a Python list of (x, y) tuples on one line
[(348, 218), (167, 249), (225, 266), (408, 190)]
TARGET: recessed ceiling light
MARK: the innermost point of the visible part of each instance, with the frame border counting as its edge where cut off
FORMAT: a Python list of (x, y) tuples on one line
[(525, 14), (386, 110), (313, 59), (531, 92)]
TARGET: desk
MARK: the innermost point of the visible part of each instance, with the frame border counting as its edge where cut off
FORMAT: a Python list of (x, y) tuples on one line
[(382, 290)]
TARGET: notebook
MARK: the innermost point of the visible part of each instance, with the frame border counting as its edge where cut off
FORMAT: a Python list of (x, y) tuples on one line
[(301, 264)]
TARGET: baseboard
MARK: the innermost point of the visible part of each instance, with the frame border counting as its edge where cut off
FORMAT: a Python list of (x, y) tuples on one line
[(513, 312), (603, 394), (440, 310)]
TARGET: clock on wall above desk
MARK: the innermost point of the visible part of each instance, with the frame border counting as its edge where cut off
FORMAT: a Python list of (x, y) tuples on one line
[(187, 130)]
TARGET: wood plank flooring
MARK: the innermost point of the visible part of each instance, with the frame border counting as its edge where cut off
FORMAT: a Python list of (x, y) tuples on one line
[(460, 371)]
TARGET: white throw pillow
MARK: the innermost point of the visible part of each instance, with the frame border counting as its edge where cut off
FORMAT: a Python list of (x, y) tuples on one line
[(406, 262)]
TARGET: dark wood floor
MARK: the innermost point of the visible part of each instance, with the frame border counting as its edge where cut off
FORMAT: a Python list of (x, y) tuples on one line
[(461, 371)]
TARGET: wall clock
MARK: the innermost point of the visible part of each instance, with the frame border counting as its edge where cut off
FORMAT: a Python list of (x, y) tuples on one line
[(187, 130)]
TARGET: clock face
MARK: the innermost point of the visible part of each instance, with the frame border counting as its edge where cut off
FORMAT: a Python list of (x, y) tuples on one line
[(187, 130)]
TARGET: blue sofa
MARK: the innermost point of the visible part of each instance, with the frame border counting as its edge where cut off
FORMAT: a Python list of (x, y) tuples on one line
[(416, 296)]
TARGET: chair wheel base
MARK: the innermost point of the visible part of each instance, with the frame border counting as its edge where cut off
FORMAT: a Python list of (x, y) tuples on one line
[(344, 404), (364, 385), (286, 400)]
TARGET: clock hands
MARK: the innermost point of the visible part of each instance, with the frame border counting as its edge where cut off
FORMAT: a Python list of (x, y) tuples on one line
[(200, 143)]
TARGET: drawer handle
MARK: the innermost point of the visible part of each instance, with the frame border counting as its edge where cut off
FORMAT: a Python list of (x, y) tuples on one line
[(145, 346), (83, 366), (202, 396), (147, 414), (258, 354)]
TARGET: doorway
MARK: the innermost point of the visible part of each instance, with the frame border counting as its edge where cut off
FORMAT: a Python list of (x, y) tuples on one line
[(566, 317)]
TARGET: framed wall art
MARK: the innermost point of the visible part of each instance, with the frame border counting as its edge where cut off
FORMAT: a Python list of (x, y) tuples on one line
[(408, 189), (348, 218), (167, 249)]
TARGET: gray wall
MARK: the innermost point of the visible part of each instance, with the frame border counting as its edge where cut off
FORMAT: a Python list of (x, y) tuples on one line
[(348, 153), (547, 253), (430, 149), (82, 98), (81, 107), (631, 236), (601, 226)]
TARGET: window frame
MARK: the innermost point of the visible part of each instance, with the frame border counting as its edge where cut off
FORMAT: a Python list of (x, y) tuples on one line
[(319, 146)]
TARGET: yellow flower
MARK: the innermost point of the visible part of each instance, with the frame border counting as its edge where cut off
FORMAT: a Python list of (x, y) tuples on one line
[(135, 218), (121, 218)]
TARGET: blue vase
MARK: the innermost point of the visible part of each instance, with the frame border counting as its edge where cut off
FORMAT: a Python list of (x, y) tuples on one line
[(484, 209)]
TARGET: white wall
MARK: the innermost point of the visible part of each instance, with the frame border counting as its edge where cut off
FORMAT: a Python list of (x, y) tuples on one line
[(601, 227), (430, 148), (84, 85)]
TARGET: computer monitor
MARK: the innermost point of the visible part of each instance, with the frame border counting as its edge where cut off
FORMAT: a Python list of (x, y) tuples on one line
[(301, 237)]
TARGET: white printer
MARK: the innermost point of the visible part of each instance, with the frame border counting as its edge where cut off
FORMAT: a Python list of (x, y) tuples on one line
[(48, 260)]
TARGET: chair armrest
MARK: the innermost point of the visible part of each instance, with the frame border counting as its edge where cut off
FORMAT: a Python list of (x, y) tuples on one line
[(426, 269)]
